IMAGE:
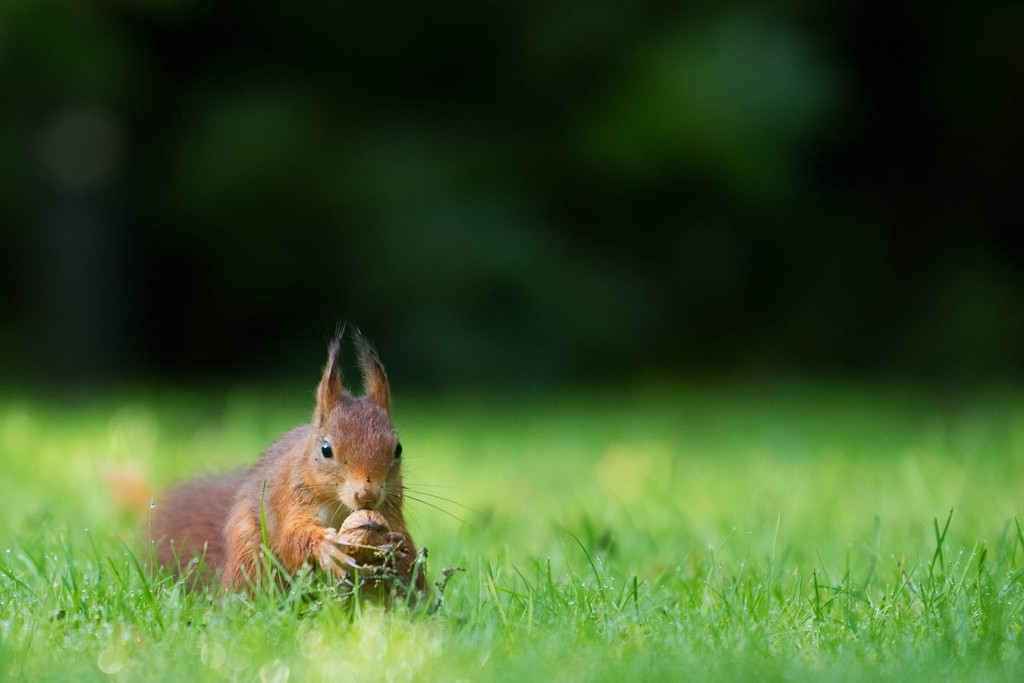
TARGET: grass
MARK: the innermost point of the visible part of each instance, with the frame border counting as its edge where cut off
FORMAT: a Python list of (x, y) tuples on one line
[(809, 531)]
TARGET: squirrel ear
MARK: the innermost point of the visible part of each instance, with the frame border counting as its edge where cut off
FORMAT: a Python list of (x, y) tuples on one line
[(330, 391), (375, 380)]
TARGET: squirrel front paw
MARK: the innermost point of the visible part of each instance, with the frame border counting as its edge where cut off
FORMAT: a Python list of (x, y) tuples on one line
[(335, 556), (362, 545), (370, 539)]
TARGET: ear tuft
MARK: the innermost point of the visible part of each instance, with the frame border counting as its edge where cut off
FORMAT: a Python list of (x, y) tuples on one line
[(330, 391), (375, 380)]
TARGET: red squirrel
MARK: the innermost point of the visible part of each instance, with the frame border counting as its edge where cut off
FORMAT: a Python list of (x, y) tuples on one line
[(303, 488)]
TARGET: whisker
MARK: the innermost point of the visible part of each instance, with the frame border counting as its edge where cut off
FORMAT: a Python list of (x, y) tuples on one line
[(336, 508), (391, 497), (439, 508), (438, 486), (332, 510), (394, 495), (447, 500)]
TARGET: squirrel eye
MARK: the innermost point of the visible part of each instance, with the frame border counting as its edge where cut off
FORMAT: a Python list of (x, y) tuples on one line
[(326, 450), (398, 450)]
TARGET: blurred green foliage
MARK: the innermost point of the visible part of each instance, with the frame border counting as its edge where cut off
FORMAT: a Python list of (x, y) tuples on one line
[(511, 192)]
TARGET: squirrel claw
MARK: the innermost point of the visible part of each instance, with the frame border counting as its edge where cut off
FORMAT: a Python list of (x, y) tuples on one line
[(334, 555), (337, 562), (396, 544)]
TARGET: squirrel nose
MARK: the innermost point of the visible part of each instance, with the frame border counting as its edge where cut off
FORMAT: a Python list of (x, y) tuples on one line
[(367, 496)]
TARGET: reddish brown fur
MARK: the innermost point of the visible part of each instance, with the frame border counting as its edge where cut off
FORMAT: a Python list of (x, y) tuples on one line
[(188, 522), (306, 497)]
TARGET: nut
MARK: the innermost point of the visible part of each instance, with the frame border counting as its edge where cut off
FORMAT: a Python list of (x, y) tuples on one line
[(364, 531)]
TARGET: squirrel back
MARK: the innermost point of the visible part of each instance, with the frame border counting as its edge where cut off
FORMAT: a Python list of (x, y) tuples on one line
[(302, 488), (188, 523)]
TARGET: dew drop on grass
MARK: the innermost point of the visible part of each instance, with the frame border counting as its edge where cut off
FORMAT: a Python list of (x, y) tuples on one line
[(398, 673), (213, 656), (274, 671), (374, 645), (110, 661), (310, 644)]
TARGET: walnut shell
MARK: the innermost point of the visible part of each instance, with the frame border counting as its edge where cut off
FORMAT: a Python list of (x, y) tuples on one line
[(364, 531)]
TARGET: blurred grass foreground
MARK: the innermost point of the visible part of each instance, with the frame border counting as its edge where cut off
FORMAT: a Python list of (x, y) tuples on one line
[(746, 530)]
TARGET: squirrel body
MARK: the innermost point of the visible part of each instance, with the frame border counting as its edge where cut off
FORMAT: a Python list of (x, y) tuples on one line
[(302, 488)]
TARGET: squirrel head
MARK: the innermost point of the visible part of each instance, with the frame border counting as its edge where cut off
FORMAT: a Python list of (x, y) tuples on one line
[(353, 445)]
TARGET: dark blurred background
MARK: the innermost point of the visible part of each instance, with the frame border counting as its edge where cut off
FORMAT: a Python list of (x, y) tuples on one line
[(510, 193)]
